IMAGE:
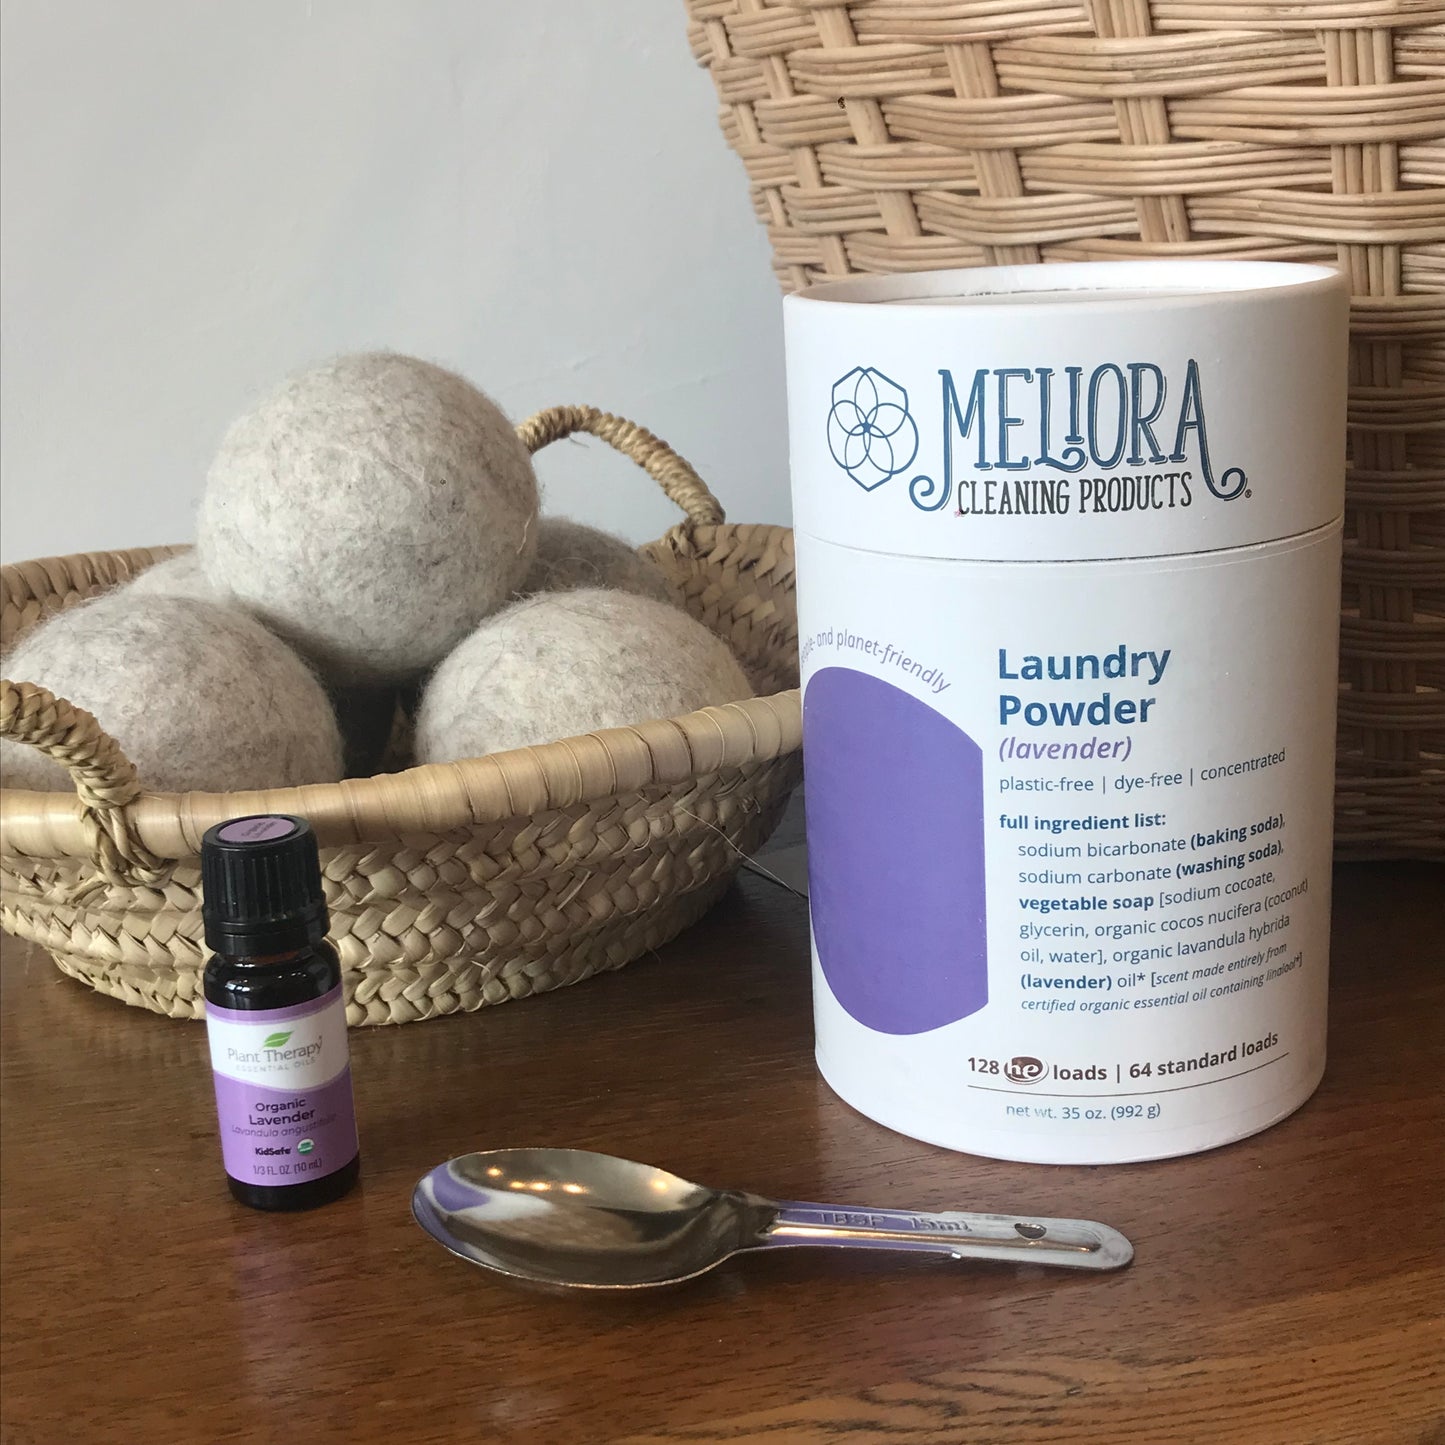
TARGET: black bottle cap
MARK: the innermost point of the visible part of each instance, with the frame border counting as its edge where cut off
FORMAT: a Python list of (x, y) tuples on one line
[(261, 885)]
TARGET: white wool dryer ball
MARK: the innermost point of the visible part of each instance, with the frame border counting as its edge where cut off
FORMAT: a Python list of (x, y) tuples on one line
[(178, 576), (199, 696), (371, 512), (563, 663), (364, 714), (571, 555)]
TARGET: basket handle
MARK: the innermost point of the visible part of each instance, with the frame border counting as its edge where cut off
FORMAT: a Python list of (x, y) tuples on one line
[(671, 472), (105, 779)]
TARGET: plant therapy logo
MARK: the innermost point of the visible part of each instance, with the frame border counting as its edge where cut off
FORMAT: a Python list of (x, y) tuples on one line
[(870, 433)]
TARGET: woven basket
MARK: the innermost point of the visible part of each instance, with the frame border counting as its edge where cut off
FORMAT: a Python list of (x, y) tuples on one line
[(908, 135), (450, 886)]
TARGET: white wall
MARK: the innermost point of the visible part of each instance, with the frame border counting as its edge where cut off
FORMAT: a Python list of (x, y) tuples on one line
[(200, 196)]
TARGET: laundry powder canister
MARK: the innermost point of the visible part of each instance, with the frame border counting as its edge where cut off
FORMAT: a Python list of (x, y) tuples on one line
[(1068, 547)]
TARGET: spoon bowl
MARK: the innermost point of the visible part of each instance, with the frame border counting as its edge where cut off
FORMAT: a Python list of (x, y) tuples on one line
[(567, 1217)]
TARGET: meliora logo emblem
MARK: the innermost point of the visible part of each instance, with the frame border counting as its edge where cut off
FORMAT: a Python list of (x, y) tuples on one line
[(870, 433)]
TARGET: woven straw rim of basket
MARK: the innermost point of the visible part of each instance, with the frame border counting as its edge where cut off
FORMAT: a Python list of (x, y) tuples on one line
[(134, 837)]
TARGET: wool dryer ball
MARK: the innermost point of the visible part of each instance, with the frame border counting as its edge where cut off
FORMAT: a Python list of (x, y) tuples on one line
[(364, 714), (178, 576), (563, 663), (570, 555), (199, 696), (372, 512)]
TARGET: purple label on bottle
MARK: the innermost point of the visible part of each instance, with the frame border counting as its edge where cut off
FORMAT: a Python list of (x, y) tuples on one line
[(270, 1136), (259, 829), (894, 801), (283, 1091)]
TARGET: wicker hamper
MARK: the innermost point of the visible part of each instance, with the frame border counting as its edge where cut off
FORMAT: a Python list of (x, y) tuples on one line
[(450, 886), (905, 135)]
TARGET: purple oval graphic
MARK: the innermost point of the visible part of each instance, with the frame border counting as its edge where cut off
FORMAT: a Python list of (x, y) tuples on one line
[(894, 800)]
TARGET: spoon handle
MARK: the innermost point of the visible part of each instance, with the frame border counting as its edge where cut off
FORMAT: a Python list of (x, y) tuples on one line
[(1023, 1239)]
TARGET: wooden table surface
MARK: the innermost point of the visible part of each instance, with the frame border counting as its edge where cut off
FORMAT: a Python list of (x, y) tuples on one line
[(1286, 1289)]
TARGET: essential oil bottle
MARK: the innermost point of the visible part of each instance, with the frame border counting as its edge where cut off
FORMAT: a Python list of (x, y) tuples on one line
[(275, 1016)]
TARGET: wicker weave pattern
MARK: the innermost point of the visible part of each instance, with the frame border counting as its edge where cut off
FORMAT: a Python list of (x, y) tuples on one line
[(905, 135), (451, 886), (432, 924)]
